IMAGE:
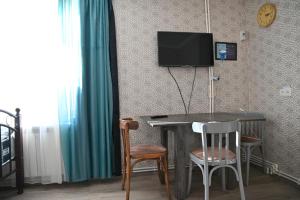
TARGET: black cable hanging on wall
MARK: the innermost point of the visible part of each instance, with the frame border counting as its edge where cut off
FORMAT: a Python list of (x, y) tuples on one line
[(193, 84), (186, 108)]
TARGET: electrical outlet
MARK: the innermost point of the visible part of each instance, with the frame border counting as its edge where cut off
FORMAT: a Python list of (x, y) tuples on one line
[(286, 91), (276, 167), (271, 171)]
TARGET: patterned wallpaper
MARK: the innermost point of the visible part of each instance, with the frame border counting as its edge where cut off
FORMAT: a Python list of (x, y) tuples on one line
[(147, 89), (267, 61), (227, 20), (274, 62)]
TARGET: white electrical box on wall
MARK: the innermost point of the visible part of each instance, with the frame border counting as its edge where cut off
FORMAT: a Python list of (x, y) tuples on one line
[(285, 91), (243, 35)]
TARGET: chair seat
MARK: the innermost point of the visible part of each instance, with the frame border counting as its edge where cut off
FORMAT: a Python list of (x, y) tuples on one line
[(199, 153), (250, 140), (145, 150)]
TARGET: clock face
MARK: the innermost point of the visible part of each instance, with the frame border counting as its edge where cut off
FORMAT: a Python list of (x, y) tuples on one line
[(266, 14)]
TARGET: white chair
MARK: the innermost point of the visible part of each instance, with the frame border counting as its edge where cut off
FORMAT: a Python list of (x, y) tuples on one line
[(252, 137), (209, 159)]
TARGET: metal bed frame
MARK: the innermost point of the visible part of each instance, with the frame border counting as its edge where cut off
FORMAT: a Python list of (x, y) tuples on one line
[(11, 149)]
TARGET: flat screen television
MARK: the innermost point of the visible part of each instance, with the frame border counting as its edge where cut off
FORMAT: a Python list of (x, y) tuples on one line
[(185, 49)]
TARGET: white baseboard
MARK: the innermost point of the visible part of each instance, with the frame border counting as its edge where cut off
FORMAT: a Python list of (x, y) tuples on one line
[(287, 176), (271, 168), (149, 169)]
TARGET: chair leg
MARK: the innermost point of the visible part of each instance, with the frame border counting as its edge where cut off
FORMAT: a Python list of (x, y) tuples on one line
[(124, 174), (166, 171), (128, 174), (206, 183), (261, 148), (190, 176), (248, 156), (223, 179), (241, 185), (244, 151), (159, 171)]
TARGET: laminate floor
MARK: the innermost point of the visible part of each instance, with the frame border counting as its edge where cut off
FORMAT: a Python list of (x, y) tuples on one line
[(146, 186)]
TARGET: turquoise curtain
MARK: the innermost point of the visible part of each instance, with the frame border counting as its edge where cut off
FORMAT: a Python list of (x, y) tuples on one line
[(86, 103)]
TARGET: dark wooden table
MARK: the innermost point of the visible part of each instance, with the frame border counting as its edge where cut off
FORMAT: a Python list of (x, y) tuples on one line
[(178, 124)]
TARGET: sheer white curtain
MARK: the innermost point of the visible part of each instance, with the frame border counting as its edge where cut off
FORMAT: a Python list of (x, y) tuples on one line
[(29, 79)]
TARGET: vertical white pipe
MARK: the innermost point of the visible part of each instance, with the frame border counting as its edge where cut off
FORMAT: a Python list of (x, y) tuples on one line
[(210, 69), (206, 16)]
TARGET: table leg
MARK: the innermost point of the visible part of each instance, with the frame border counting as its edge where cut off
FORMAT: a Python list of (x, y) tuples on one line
[(180, 163), (164, 143), (164, 136)]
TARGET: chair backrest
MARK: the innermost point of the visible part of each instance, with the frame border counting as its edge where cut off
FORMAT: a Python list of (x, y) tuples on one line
[(253, 128), (127, 124), (217, 132)]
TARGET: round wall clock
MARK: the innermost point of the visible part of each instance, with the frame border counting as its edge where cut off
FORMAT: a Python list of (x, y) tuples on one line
[(266, 14)]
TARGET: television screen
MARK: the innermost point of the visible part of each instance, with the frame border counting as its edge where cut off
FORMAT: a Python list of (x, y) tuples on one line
[(185, 49)]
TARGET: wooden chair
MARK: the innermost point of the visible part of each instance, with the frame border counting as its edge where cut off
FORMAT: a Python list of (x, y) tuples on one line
[(252, 137), (133, 155), (209, 159)]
